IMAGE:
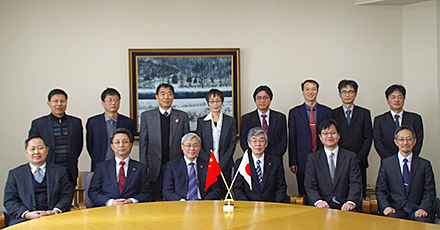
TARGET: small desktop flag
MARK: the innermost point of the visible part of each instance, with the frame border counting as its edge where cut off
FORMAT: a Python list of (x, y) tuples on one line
[(245, 170), (213, 171)]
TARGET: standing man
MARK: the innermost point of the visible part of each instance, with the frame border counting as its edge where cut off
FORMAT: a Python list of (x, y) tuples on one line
[(354, 126), (386, 124), (273, 123), (38, 188), (333, 179), (405, 185), (120, 180), (101, 127), (62, 133), (303, 138), (159, 138)]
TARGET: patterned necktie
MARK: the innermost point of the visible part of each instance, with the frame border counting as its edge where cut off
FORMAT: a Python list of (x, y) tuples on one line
[(192, 183), (396, 117), (405, 175), (348, 116), (121, 177), (259, 174), (38, 175), (332, 166), (265, 126), (313, 130)]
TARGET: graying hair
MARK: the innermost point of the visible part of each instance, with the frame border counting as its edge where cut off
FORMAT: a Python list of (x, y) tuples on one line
[(255, 132), (190, 136)]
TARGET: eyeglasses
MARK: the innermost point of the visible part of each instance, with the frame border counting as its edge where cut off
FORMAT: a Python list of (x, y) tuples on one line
[(117, 142), (116, 100), (58, 101), (188, 146), (262, 98), (332, 133), (34, 148), (402, 140), (254, 141), (351, 92), (215, 101)]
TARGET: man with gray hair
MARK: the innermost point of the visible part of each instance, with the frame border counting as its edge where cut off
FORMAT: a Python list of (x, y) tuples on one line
[(266, 172), (184, 178)]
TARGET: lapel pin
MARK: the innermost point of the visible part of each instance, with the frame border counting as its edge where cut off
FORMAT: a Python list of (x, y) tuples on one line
[(201, 166), (177, 120), (134, 169), (270, 163)]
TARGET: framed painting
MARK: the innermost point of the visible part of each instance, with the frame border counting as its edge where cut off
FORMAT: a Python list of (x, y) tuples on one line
[(192, 73)]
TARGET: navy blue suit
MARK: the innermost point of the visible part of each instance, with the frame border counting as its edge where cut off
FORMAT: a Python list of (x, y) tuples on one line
[(104, 185), (97, 139), (273, 187), (43, 127), (175, 181), (300, 138)]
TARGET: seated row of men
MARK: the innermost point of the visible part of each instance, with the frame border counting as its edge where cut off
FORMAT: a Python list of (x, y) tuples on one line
[(405, 184)]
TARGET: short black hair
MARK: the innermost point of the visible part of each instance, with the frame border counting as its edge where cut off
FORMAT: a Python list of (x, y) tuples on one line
[(26, 142), (213, 93), (345, 82), (326, 124), (263, 88), (124, 131), (165, 86), (393, 88), (404, 127), (109, 91), (310, 81), (55, 92)]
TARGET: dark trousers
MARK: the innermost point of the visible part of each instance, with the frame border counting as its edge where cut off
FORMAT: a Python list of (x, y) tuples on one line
[(156, 186), (300, 181), (364, 179), (402, 214)]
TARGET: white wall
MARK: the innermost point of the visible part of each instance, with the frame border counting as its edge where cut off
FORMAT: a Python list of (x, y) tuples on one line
[(82, 47)]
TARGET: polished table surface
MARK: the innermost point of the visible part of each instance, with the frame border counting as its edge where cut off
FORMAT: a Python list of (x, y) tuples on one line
[(210, 215)]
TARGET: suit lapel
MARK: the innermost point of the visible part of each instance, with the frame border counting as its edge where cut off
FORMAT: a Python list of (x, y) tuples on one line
[(254, 177), (201, 175), (272, 125), (131, 171), (50, 182), (396, 166), (414, 167), (209, 141), (103, 128), (174, 122), (182, 169), (390, 120), (223, 132), (155, 123), (266, 171), (112, 167), (28, 180), (341, 116), (51, 141), (354, 116), (323, 163), (340, 165), (405, 120), (303, 115)]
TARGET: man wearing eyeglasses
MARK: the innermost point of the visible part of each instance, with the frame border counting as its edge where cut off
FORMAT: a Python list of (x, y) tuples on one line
[(386, 124), (120, 180), (101, 127), (333, 179), (267, 181), (63, 134), (185, 178), (354, 126), (405, 185)]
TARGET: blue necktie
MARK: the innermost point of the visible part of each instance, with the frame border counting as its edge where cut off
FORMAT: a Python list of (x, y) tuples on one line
[(259, 174), (405, 175), (192, 183), (38, 175)]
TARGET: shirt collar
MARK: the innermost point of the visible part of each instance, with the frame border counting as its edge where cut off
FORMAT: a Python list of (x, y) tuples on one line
[(126, 160), (209, 116), (394, 114), (187, 161), (260, 113), (328, 152), (401, 157), (315, 107), (107, 118), (57, 119), (34, 168), (345, 109), (256, 159), (162, 111)]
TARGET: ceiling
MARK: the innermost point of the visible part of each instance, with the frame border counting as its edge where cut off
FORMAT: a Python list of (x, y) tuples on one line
[(387, 2)]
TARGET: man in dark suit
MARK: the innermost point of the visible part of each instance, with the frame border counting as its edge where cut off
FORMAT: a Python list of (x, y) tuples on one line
[(273, 123), (303, 138), (354, 126), (101, 127), (386, 124), (62, 133), (159, 137), (405, 185), (120, 180), (185, 178), (333, 178), (36, 189), (266, 181)]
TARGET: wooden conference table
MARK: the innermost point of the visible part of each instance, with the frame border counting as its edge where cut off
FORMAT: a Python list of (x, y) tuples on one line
[(210, 215)]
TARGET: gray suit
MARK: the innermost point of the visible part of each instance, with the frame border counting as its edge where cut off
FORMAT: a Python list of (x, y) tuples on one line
[(20, 196), (150, 150)]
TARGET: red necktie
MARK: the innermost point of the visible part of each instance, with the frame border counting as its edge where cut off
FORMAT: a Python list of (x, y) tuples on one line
[(313, 129), (265, 126), (121, 177)]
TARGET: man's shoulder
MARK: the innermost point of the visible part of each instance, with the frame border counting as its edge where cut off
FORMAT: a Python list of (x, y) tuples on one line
[(422, 160), (55, 167), (347, 153), (20, 168), (95, 118), (383, 115), (124, 118), (297, 108), (41, 119), (361, 109), (277, 113), (274, 159), (411, 114), (150, 112), (323, 107), (73, 118), (251, 113), (178, 111)]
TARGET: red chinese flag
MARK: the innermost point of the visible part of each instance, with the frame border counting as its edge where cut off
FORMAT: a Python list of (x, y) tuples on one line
[(213, 171)]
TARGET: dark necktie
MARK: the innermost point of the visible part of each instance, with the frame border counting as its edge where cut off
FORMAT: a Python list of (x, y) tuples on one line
[(405, 175), (165, 114), (192, 183), (265, 125), (121, 177), (313, 130), (259, 174), (396, 119), (348, 116)]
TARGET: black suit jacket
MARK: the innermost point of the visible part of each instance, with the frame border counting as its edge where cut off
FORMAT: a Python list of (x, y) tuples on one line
[(347, 184), (175, 181), (20, 195), (97, 139), (43, 127), (383, 133), (391, 192), (358, 135), (273, 187), (300, 136), (277, 135), (104, 184), (227, 141)]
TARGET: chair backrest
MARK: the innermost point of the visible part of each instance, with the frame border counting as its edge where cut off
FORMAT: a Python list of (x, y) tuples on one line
[(86, 184)]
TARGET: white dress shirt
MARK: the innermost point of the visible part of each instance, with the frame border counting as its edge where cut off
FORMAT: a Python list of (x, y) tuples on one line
[(400, 116), (188, 168), (409, 158), (261, 118), (261, 163), (118, 167), (216, 131)]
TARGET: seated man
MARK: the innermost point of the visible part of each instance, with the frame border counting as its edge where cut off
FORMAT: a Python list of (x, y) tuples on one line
[(405, 185), (185, 178), (38, 188), (120, 180), (333, 178), (267, 182)]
